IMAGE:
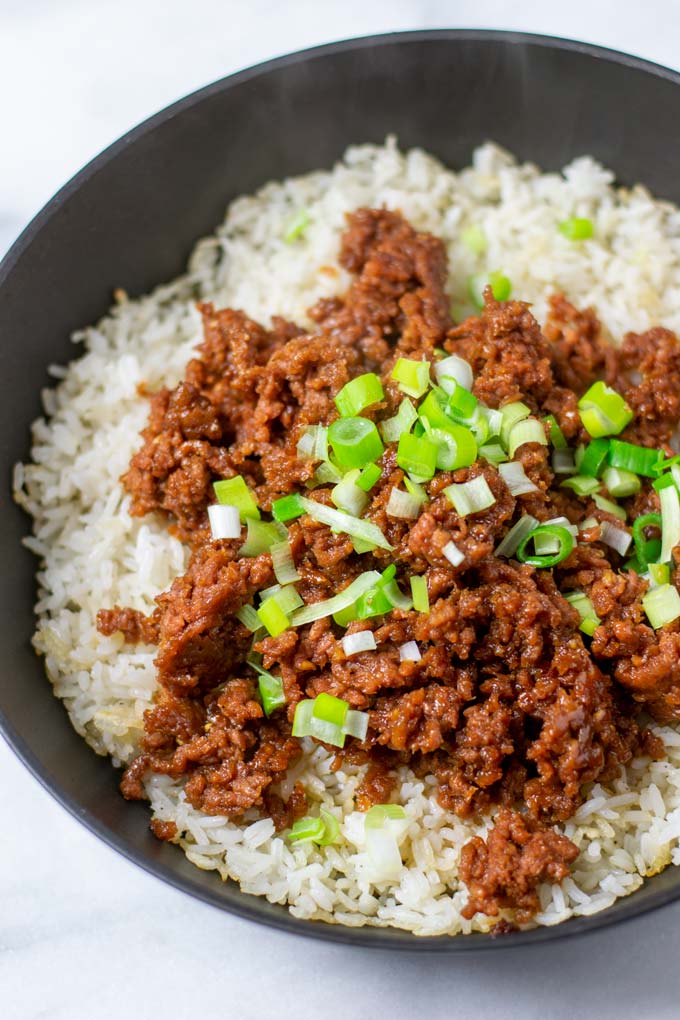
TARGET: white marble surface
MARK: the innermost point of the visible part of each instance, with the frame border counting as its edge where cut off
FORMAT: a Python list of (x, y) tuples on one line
[(84, 934)]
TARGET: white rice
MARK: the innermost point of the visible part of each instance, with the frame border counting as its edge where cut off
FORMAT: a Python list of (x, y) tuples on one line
[(93, 554)]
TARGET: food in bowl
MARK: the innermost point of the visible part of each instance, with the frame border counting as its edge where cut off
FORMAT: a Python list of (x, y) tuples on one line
[(380, 612)]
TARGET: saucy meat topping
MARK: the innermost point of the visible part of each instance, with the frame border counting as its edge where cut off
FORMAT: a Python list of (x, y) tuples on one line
[(512, 702)]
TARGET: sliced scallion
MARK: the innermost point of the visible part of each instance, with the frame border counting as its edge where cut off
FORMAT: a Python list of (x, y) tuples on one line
[(555, 432), (603, 411), (602, 503), (594, 458), (514, 476), (343, 600), (453, 370), (235, 492), (413, 377), (470, 497), (285, 570), (225, 521), (417, 456), (518, 532), (368, 477), (402, 421), (453, 554), (662, 605), (529, 430), (358, 394), (620, 483), (565, 541), (583, 485), (261, 536), (576, 228), (421, 602), (403, 505), (288, 507), (640, 460), (362, 641), (348, 496), (249, 618), (355, 442)]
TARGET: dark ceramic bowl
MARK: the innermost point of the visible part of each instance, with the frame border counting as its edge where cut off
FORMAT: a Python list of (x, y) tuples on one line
[(129, 219)]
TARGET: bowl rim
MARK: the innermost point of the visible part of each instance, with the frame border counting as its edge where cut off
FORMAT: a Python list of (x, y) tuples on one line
[(255, 908)]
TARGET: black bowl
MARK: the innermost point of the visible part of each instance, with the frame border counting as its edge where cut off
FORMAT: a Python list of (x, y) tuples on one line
[(129, 219)]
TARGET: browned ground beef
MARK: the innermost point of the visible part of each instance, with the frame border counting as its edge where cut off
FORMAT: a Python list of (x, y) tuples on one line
[(508, 705)]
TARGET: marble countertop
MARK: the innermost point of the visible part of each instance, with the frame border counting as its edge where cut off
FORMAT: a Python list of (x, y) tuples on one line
[(83, 933)]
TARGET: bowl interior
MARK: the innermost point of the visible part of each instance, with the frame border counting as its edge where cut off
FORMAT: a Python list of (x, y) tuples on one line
[(130, 219)]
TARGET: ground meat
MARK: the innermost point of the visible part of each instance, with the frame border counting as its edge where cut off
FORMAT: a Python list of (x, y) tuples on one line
[(506, 869), (510, 707), (163, 830)]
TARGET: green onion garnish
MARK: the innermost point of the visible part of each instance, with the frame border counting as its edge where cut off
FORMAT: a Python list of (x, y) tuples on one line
[(417, 456), (518, 532), (359, 393), (288, 507), (313, 443), (662, 605), (249, 618), (670, 521), (235, 492), (456, 446), (556, 434), (285, 570), (642, 549), (576, 228), (659, 573), (501, 288), (413, 376), (620, 483), (297, 226), (529, 430), (594, 458), (604, 412), (462, 403), (402, 421), (474, 238), (640, 460), (343, 601), (345, 523), (261, 536), (403, 505), (368, 477), (453, 370), (565, 543), (511, 414), (515, 477), (590, 621), (355, 442), (493, 453), (273, 617), (470, 497), (329, 719), (348, 496), (271, 688), (421, 601), (582, 485), (307, 830), (611, 508)]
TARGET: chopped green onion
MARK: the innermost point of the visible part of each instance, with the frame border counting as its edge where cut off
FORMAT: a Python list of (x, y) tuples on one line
[(273, 617), (413, 376), (358, 394), (340, 602), (288, 507), (328, 719), (409, 652), (608, 507), (415, 489), (576, 228), (453, 554), (670, 522), (417, 456), (332, 828), (474, 238), (565, 540), (584, 607), (271, 690), (355, 442), (563, 462), (462, 403), (235, 492), (493, 453), (249, 618), (421, 601), (659, 573), (511, 414), (514, 476), (594, 458), (307, 830), (368, 477), (396, 597), (356, 724), (526, 431), (380, 813), (501, 288), (662, 605), (620, 483), (582, 485), (345, 523), (453, 371), (392, 428), (282, 561), (518, 532), (330, 709), (373, 603), (326, 474), (297, 226), (287, 598), (362, 641), (604, 412), (556, 434), (348, 496), (313, 443), (261, 536), (640, 460), (615, 538), (652, 520), (456, 447), (433, 410), (225, 521), (403, 505), (470, 497)]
